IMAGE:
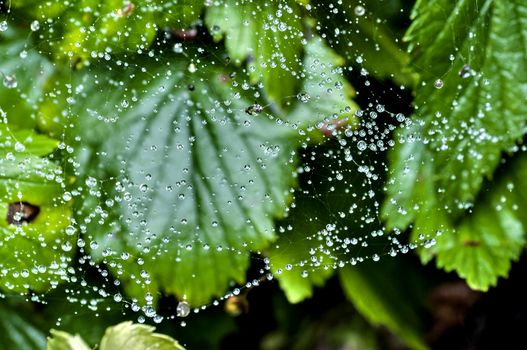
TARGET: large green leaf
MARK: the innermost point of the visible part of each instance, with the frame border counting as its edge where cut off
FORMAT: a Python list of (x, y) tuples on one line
[(269, 35), (193, 180)]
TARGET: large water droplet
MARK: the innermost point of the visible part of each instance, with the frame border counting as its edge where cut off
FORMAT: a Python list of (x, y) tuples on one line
[(35, 25), (3, 26), (360, 10), (19, 147), (10, 82), (182, 309), (303, 97)]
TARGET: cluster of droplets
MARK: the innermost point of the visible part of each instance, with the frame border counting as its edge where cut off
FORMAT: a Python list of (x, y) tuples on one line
[(337, 246)]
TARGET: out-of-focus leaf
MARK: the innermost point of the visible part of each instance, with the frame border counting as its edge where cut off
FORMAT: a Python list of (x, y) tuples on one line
[(136, 337), (64, 341), (96, 28), (126, 335), (364, 40), (28, 72), (24, 142), (269, 36), (387, 293), (17, 332)]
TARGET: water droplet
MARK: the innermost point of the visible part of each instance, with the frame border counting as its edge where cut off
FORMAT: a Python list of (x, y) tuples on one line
[(254, 109), (35, 25), (3, 26), (66, 246), (438, 84), (10, 82), (465, 71), (182, 309), (361, 145), (19, 147), (360, 10), (91, 182), (303, 97)]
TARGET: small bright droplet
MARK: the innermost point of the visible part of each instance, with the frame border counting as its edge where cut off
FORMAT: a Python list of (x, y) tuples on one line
[(35, 25), (182, 309), (3, 26), (192, 68), (10, 82), (438, 84), (360, 10)]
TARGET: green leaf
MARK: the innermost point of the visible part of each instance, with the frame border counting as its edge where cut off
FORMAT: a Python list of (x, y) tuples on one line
[(106, 27), (196, 180), (125, 335), (64, 341), (17, 332), (29, 70), (34, 249), (478, 113), (325, 94), (136, 337), (459, 133), (269, 35), (365, 41), (24, 142), (34, 254), (485, 243), (386, 293)]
